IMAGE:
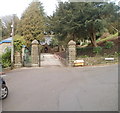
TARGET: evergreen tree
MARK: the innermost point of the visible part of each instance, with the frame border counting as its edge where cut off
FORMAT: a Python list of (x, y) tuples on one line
[(82, 20), (32, 23)]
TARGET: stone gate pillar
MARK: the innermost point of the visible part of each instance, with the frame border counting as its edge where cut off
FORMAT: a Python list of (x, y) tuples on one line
[(34, 54), (71, 52), (23, 55), (18, 60)]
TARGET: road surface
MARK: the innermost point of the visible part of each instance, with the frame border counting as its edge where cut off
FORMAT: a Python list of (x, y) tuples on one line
[(62, 89)]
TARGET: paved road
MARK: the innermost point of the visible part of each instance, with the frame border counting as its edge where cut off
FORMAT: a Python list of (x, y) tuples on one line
[(63, 89), (48, 59)]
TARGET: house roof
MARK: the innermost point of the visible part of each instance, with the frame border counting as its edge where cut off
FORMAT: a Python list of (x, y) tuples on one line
[(47, 40), (8, 40)]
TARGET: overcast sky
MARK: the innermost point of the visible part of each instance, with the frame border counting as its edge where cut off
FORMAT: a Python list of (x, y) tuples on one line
[(9, 7)]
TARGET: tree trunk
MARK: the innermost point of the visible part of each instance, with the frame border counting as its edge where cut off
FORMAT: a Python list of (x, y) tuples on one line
[(73, 36), (93, 39), (60, 48)]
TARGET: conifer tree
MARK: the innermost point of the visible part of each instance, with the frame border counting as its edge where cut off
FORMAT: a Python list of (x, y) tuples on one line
[(32, 23), (83, 20)]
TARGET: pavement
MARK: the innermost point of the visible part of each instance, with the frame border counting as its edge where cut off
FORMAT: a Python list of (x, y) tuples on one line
[(48, 59), (54, 88)]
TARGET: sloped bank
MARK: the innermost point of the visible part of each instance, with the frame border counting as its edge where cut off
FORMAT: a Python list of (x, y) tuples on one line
[(92, 58)]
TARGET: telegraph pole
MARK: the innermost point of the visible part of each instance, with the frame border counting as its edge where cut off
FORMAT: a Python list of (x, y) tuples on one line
[(12, 43)]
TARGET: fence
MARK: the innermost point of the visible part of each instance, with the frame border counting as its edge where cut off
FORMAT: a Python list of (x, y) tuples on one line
[(63, 56)]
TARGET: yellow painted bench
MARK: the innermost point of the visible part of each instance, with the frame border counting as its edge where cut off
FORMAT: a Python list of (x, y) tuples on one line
[(78, 62)]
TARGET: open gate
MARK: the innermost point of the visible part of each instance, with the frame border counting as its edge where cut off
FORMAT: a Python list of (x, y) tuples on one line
[(27, 58)]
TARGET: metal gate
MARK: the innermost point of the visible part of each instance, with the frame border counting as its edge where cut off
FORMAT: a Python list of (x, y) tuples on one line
[(27, 58)]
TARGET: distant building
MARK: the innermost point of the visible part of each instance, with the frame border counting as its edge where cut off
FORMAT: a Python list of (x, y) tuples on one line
[(47, 40), (46, 44), (4, 44)]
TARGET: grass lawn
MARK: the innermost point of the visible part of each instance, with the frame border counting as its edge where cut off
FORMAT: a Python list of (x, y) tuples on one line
[(111, 37), (108, 38)]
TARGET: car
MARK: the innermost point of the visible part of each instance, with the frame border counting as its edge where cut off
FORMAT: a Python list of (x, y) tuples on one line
[(3, 87)]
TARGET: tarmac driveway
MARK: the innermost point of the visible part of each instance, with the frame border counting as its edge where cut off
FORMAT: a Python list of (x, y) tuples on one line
[(48, 59), (63, 89)]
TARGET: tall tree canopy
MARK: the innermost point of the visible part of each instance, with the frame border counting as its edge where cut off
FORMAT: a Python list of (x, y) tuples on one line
[(83, 20), (32, 23)]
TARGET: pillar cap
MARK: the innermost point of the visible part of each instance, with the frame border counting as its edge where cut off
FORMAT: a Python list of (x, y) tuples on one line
[(35, 42), (71, 42)]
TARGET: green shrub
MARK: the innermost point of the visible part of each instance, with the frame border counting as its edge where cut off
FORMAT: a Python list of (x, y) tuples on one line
[(84, 43), (84, 56), (18, 43), (117, 54), (54, 42), (119, 33), (6, 59), (109, 44), (97, 50)]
